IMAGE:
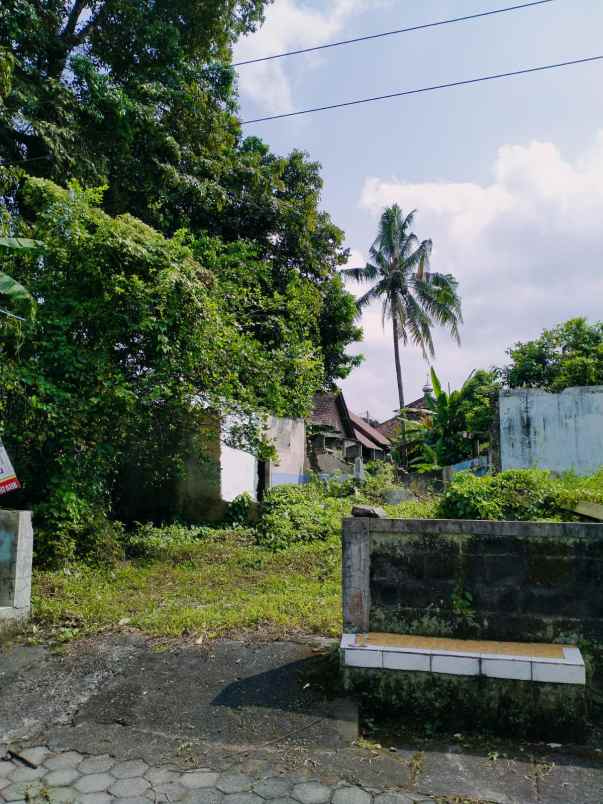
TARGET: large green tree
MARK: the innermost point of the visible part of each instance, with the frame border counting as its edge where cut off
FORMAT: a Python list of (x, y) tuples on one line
[(139, 96), (131, 334), (413, 297), (570, 354)]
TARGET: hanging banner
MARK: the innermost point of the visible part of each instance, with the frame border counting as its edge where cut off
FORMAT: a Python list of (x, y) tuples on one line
[(8, 478)]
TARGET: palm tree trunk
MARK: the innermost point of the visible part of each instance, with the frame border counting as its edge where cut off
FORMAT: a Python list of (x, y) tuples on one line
[(400, 388)]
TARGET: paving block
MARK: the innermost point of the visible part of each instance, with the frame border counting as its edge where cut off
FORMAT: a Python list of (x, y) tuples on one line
[(62, 795), (171, 791), (63, 777), (95, 798), (130, 769), (132, 800), (285, 800), (234, 783), (351, 795), (69, 759), (35, 755), (157, 776), (94, 783), (207, 795), (243, 798), (311, 793), (272, 788), (199, 779), (25, 774), (128, 788), (100, 764), (6, 768), (21, 790)]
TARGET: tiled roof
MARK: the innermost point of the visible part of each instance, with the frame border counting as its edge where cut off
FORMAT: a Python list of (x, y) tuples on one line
[(369, 431), (330, 410)]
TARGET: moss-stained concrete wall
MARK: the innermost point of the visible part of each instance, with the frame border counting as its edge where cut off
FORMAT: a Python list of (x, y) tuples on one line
[(516, 581)]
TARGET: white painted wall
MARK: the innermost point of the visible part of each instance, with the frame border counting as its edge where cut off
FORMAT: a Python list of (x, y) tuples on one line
[(552, 431), (289, 439), (239, 473)]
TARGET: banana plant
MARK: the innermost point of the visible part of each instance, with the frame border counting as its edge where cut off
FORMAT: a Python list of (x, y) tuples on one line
[(9, 287)]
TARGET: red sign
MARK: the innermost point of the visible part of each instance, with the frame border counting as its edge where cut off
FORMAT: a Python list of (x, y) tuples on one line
[(8, 478)]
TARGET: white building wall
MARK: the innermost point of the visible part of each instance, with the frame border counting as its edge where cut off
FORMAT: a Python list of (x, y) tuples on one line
[(559, 432), (289, 438), (238, 473)]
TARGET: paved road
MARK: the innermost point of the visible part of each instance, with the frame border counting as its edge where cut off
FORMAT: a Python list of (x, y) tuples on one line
[(201, 717)]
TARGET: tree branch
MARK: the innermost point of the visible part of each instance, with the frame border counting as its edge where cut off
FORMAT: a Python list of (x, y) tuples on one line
[(90, 26), (74, 16)]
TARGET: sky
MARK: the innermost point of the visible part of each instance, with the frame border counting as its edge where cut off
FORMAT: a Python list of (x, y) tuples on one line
[(506, 176)]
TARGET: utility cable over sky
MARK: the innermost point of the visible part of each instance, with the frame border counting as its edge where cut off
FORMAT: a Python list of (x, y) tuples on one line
[(424, 26), (432, 88)]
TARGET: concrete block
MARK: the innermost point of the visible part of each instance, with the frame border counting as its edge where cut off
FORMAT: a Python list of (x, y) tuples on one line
[(455, 665), (16, 548), (558, 673), (507, 668), (394, 660)]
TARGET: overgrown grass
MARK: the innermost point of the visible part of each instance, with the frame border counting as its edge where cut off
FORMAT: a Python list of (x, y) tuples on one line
[(218, 586)]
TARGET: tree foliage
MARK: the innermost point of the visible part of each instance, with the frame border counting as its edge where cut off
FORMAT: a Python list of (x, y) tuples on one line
[(451, 421), (131, 333), (570, 354)]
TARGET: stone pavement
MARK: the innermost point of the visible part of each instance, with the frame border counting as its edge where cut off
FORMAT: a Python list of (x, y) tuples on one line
[(236, 722), (39, 775)]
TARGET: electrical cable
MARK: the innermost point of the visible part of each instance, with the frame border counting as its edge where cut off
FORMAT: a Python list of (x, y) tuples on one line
[(420, 90), (422, 27)]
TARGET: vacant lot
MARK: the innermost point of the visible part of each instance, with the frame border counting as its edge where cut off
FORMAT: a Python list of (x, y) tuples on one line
[(214, 587)]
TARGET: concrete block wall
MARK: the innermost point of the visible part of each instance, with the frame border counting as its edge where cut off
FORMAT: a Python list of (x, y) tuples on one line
[(16, 547), (559, 432), (508, 581)]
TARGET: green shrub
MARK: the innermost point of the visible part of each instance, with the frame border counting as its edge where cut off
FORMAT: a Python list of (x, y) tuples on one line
[(150, 542), (518, 494), (291, 514), (240, 510)]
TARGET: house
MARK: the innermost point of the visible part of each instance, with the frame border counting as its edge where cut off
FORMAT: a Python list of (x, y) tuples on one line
[(336, 437), (390, 428)]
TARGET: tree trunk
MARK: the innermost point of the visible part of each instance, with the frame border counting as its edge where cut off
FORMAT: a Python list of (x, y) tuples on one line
[(403, 451)]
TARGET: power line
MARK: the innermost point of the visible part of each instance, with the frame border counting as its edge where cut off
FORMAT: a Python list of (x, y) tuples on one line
[(426, 89), (422, 27)]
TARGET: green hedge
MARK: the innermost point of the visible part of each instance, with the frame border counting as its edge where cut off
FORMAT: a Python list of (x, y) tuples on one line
[(518, 494)]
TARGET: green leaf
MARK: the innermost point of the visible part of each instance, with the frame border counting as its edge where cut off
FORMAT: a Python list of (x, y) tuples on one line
[(11, 288), (21, 243)]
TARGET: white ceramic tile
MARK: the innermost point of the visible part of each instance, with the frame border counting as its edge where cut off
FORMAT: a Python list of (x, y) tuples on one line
[(574, 656), (455, 665), (348, 640), (394, 660), (363, 658), (507, 668), (558, 673)]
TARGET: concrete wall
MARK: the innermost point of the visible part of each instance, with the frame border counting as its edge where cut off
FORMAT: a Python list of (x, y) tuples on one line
[(289, 438), (238, 473), (552, 431), (514, 581), (16, 546)]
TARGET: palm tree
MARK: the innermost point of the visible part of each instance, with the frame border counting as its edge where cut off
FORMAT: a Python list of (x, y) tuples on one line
[(413, 297)]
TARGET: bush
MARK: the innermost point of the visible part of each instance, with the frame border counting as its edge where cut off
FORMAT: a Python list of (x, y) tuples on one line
[(291, 514), (150, 542), (518, 494)]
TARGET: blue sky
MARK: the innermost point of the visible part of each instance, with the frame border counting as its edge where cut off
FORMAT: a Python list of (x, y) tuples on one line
[(507, 176)]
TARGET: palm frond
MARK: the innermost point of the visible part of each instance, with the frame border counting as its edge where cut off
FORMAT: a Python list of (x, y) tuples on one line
[(366, 274)]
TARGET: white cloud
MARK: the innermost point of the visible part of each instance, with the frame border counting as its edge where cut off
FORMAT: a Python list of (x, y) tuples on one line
[(526, 248), (289, 25)]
